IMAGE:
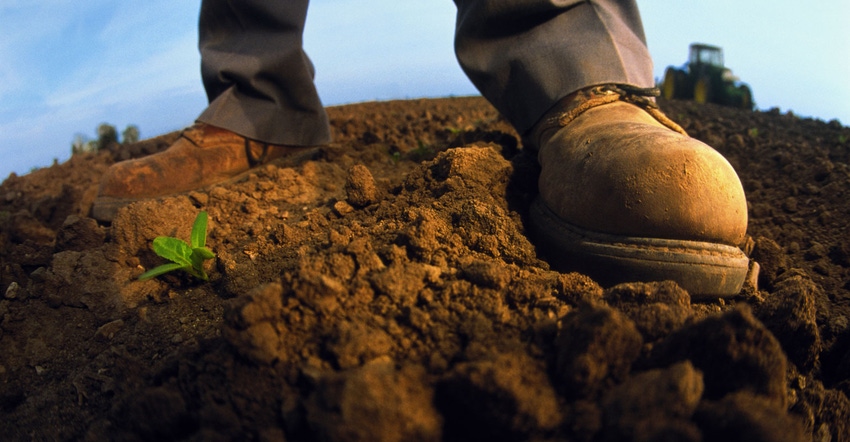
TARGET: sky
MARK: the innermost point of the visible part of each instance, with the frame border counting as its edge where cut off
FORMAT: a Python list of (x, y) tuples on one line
[(66, 66)]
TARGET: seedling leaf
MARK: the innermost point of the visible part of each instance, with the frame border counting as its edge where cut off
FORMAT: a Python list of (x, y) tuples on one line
[(204, 252), (159, 270), (173, 249), (183, 256), (199, 231)]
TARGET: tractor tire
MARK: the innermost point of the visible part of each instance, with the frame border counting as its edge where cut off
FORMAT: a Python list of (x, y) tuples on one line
[(670, 88), (746, 97), (702, 91)]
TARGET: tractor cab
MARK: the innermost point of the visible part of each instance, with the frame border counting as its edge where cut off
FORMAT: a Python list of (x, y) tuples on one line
[(706, 54)]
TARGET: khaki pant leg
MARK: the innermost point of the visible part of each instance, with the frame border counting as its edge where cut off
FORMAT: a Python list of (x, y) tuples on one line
[(258, 79), (525, 55)]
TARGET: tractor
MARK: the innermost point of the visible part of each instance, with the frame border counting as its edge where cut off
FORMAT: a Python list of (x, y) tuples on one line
[(705, 79)]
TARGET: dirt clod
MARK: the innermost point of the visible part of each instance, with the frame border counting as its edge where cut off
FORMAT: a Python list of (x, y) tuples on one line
[(374, 402), (744, 416), (654, 405), (510, 390), (734, 351), (790, 314), (360, 186), (596, 349)]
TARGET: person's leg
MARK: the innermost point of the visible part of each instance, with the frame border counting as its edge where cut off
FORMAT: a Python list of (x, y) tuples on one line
[(625, 195), (525, 55), (263, 106), (258, 79)]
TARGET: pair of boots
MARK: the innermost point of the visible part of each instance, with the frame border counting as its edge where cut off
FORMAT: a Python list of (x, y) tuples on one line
[(625, 194)]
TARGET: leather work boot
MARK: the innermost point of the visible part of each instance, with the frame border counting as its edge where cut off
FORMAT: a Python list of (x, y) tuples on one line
[(626, 195), (203, 155)]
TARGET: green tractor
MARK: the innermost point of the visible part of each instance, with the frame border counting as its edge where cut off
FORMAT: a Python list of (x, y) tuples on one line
[(704, 79)]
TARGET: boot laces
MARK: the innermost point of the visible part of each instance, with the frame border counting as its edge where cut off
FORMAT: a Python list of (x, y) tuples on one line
[(596, 96), (253, 159), (643, 98)]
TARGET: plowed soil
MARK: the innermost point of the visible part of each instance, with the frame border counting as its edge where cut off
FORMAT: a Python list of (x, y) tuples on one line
[(384, 288)]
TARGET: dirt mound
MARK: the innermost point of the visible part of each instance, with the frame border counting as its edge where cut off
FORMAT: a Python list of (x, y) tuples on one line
[(384, 288)]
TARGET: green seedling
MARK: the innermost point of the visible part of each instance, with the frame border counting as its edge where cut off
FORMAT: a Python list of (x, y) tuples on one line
[(187, 257), (753, 132), (454, 130), (423, 151)]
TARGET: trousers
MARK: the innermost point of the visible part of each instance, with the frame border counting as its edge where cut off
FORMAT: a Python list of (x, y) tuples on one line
[(522, 55)]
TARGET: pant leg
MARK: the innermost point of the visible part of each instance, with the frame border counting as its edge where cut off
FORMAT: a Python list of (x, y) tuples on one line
[(525, 55), (258, 79)]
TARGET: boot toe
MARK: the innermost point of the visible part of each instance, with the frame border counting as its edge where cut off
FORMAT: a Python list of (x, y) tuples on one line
[(640, 179), (633, 200), (203, 156)]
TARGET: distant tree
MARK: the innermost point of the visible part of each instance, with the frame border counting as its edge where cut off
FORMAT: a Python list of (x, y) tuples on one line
[(130, 134), (83, 144), (78, 145), (107, 136)]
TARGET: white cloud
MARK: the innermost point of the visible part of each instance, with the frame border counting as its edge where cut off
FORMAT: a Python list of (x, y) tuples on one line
[(25, 25), (144, 51), (67, 66), (175, 67)]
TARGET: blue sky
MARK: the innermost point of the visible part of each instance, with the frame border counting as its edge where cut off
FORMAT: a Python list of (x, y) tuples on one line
[(66, 66)]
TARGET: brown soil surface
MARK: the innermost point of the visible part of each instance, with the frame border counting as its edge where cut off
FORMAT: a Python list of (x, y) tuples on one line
[(384, 289)]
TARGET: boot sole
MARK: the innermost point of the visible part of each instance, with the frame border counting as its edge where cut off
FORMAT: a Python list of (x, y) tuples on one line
[(105, 208), (704, 269)]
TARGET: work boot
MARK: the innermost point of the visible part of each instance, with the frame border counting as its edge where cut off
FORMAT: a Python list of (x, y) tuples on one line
[(203, 155), (626, 195)]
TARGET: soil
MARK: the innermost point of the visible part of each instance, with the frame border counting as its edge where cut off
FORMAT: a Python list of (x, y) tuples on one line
[(384, 288)]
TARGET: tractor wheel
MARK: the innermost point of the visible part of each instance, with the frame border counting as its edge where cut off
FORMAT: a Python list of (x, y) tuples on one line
[(746, 97), (670, 88), (702, 91)]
